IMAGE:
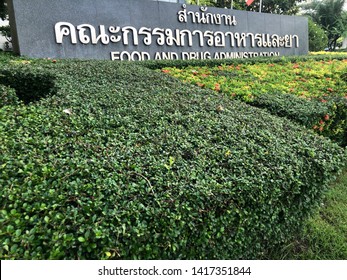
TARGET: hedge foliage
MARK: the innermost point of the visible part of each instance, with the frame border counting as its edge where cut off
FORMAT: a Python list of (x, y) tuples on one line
[(29, 85), (7, 96), (122, 162), (328, 116), (299, 109), (310, 92)]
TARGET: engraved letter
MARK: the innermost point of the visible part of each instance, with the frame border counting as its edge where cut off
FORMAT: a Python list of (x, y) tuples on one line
[(147, 32), (182, 15), (126, 31), (65, 29)]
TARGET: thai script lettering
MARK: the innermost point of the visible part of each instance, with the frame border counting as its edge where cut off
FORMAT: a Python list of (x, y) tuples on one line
[(129, 35), (203, 17)]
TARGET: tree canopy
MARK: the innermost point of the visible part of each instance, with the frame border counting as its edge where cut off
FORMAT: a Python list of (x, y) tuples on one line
[(3, 10), (317, 38), (330, 15), (288, 7)]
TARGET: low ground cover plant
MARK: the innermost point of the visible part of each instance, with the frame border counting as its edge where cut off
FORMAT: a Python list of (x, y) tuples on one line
[(307, 79), (121, 162)]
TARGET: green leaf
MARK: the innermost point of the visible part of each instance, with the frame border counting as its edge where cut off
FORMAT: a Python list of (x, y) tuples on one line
[(81, 239)]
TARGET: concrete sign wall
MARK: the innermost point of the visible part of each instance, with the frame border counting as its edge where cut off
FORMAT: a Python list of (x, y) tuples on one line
[(141, 30)]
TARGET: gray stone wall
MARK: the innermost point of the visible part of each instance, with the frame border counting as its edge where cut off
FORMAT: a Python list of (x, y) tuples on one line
[(137, 29)]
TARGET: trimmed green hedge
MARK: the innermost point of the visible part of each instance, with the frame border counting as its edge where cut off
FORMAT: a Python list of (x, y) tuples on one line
[(7, 96), (301, 110), (126, 163), (327, 116), (29, 85), (337, 126)]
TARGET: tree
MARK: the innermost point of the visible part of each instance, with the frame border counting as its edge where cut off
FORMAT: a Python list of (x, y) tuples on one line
[(285, 7), (288, 7), (330, 15), (3, 10), (4, 30), (237, 4), (228, 3), (317, 39), (201, 2)]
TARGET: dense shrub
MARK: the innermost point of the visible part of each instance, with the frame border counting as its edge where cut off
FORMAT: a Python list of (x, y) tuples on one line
[(317, 90), (301, 110), (327, 117), (344, 76), (7, 96), (5, 57), (126, 163), (30, 84), (336, 127), (317, 38)]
